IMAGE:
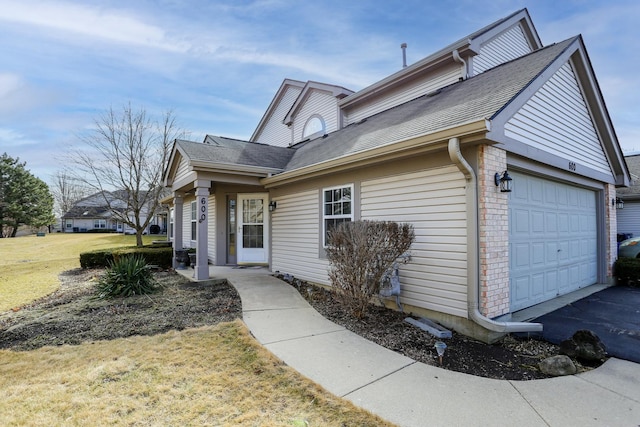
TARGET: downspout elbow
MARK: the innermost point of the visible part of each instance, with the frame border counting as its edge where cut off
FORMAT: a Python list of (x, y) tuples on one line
[(473, 280), (458, 59)]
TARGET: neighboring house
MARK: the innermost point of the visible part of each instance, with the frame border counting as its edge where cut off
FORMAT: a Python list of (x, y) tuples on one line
[(426, 145), (629, 212), (93, 213)]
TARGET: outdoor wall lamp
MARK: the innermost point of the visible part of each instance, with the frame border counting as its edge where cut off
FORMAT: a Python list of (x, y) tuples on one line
[(504, 182), (272, 205), (618, 203)]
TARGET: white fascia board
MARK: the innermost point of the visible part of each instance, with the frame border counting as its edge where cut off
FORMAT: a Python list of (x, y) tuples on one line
[(466, 129), (232, 168)]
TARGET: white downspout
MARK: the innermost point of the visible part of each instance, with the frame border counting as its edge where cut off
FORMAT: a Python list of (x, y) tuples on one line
[(473, 280), (458, 59)]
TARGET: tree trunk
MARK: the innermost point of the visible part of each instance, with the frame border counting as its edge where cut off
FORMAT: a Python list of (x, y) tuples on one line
[(138, 238)]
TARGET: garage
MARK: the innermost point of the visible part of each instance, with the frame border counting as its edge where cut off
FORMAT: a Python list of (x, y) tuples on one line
[(553, 239)]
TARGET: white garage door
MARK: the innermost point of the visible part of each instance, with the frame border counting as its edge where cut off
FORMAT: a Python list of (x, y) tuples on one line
[(552, 239)]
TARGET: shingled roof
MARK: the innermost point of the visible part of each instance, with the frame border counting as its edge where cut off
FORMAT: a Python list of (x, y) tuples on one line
[(480, 97), (221, 150)]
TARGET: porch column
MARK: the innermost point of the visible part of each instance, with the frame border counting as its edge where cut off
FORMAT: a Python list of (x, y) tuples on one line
[(178, 202), (202, 234)]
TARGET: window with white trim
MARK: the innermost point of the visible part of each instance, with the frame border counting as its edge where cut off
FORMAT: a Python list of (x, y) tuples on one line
[(69, 223), (314, 127), (194, 218), (99, 223), (337, 207), (171, 223)]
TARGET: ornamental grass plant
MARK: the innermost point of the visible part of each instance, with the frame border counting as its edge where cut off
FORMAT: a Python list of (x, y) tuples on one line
[(127, 276)]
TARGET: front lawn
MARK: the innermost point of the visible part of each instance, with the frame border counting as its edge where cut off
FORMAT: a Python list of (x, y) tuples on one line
[(211, 375), (30, 265)]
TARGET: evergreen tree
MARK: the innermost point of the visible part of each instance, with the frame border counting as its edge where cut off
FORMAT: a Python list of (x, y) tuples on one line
[(24, 198)]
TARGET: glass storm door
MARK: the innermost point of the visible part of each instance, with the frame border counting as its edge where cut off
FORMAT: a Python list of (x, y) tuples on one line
[(253, 229)]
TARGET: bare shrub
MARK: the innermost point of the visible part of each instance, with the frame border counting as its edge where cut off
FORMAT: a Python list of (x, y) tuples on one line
[(359, 253)]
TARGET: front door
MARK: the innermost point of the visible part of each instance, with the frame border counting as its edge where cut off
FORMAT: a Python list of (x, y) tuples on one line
[(253, 228)]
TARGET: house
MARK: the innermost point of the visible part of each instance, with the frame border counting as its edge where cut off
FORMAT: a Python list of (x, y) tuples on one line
[(628, 201), (432, 145), (94, 213)]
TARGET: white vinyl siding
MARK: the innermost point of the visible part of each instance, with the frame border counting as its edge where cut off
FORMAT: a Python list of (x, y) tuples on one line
[(628, 218), (211, 230), (296, 237), (434, 202), (182, 170), (553, 244), (556, 120), (320, 103), (505, 47), (421, 86), (274, 131)]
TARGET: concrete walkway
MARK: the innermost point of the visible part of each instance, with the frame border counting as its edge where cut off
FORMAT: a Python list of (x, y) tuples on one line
[(410, 393)]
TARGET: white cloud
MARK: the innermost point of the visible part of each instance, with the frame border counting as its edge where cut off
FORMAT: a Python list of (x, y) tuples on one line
[(88, 21)]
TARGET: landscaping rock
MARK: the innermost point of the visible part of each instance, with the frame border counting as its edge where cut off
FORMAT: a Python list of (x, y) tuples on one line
[(558, 366), (584, 345)]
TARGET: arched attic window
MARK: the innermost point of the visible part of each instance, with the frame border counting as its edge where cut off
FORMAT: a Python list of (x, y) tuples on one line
[(313, 127)]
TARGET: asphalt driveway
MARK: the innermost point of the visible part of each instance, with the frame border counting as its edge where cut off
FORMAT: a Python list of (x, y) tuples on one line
[(613, 314)]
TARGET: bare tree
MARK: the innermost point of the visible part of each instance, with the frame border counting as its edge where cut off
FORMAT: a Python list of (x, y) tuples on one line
[(66, 191), (125, 156)]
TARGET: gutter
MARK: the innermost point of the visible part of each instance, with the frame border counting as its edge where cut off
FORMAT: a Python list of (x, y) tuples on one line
[(473, 280)]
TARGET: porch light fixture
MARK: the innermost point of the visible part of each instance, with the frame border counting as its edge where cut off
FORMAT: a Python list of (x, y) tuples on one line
[(504, 182), (618, 203), (272, 205)]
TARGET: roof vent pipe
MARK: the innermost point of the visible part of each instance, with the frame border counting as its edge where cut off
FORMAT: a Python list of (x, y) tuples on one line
[(403, 46)]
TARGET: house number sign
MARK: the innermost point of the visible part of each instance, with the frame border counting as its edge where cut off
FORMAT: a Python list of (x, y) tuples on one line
[(203, 209), (572, 166)]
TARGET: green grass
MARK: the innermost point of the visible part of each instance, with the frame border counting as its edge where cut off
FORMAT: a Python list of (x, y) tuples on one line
[(30, 265)]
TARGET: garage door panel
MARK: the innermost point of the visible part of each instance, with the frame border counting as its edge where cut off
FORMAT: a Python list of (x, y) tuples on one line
[(521, 222), (552, 252), (537, 222), (520, 290), (551, 222), (537, 254), (551, 281), (553, 239), (520, 255), (537, 286)]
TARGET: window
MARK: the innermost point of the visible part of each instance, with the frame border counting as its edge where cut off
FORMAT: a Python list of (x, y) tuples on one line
[(315, 125), (252, 223), (171, 223), (69, 224), (337, 208), (99, 223), (194, 217)]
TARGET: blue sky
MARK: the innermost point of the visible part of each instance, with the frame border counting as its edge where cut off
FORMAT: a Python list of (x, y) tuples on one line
[(217, 64)]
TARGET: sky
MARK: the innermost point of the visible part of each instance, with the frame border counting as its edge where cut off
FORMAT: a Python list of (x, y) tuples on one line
[(217, 64)]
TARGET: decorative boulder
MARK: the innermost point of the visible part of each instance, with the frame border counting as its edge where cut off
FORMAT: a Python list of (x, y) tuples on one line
[(584, 345), (558, 366)]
